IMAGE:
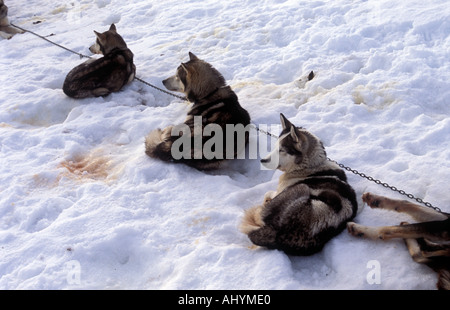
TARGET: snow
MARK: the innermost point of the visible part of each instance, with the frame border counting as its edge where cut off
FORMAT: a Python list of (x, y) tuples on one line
[(83, 207)]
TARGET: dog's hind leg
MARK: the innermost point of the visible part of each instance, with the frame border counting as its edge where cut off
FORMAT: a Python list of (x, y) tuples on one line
[(429, 230), (426, 256), (422, 250), (423, 256), (414, 250), (420, 213)]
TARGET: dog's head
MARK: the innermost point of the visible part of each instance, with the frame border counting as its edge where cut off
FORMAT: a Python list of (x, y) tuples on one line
[(107, 41), (3, 10), (296, 149), (195, 78)]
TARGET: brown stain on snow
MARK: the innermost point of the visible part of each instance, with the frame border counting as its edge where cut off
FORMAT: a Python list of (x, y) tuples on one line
[(91, 166)]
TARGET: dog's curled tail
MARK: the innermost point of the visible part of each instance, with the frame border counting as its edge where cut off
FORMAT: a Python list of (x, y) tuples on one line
[(252, 220), (156, 145)]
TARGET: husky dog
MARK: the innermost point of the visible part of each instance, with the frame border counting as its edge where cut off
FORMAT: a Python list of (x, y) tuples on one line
[(428, 241), (6, 30), (214, 103), (313, 200), (100, 77)]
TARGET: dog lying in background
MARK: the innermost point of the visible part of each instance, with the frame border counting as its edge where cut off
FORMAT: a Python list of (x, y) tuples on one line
[(100, 77), (428, 241)]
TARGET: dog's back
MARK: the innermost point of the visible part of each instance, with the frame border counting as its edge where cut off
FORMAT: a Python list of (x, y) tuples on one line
[(100, 77)]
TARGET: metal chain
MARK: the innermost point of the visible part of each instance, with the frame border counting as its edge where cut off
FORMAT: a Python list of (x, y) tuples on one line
[(393, 188), (263, 131), (86, 56), (160, 89), (44, 38)]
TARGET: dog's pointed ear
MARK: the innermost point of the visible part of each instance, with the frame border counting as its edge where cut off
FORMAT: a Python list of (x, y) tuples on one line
[(113, 27), (294, 134), (192, 56), (285, 123), (100, 36)]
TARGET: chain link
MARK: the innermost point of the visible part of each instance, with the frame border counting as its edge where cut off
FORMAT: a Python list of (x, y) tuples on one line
[(263, 131), (160, 89)]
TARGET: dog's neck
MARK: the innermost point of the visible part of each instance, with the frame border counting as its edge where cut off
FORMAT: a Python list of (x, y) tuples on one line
[(123, 50), (216, 94), (210, 94), (293, 176)]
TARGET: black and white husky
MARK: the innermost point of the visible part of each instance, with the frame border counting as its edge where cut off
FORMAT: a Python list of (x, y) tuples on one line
[(313, 201)]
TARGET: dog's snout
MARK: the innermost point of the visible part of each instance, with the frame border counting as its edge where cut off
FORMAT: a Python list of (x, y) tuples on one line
[(264, 160)]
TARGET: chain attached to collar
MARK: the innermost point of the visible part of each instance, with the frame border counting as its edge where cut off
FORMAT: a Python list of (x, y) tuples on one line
[(86, 56), (363, 175)]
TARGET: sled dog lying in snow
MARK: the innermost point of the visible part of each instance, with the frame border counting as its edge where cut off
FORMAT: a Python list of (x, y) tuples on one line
[(215, 107), (428, 241), (313, 200), (100, 77), (6, 30)]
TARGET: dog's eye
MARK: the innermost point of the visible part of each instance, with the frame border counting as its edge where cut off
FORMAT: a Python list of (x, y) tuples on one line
[(282, 151)]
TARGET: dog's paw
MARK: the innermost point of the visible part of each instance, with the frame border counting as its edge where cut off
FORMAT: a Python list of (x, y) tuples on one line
[(269, 196), (371, 200), (267, 200), (355, 229)]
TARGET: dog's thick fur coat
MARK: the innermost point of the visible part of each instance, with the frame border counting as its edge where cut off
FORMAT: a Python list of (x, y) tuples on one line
[(105, 75), (313, 201), (213, 102), (428, 241)]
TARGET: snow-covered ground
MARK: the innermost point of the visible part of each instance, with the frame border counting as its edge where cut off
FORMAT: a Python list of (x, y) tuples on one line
[(83, 207)]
